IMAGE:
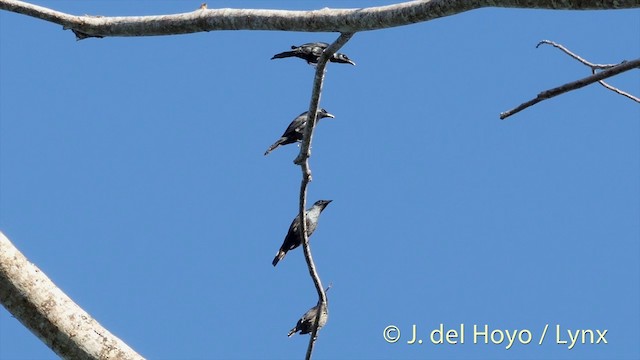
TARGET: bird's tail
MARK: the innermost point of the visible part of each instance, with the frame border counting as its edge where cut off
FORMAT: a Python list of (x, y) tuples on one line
[(292, 331), (274, 146), (285, 54), (279, 256)]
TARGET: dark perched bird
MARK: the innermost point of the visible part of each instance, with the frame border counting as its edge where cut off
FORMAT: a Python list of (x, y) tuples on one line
[(292, 240), (305, 324), (295, 130), (311, 53)]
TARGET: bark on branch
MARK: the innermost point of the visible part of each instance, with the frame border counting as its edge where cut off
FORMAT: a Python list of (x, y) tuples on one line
[(303, 161), (594, 68), (28, 294), (323, 20), (610, 70)]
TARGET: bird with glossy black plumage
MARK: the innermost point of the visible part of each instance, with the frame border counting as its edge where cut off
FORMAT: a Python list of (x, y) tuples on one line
[(292, 240), (295, 130), (311, 53)]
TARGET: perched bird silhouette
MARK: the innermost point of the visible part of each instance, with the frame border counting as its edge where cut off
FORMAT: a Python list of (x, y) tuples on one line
[(295, 130), (311, 53), (292, 240), (305, 324)]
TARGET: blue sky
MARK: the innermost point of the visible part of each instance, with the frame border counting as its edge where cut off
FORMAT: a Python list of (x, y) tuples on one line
[(132, 174)]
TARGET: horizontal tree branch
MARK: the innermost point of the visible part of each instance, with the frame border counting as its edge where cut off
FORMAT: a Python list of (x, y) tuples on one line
[(323, 20), (28, 294)]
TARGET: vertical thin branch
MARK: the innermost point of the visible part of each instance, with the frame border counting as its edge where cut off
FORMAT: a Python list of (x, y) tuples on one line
[(303, 160), (316, 92)]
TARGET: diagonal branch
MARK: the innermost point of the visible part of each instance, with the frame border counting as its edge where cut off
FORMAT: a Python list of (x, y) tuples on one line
[(617, 91), (303, 161), (593, 67), (27, 293), (548, 94), (568, 52), (324, 20)]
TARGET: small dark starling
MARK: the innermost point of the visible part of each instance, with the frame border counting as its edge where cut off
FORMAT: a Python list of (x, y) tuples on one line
[(292, 240), (305, 324), (295, 131), (311, 53)]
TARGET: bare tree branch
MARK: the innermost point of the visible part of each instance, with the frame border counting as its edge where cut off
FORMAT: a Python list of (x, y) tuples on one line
[(618, 91), (316, 91), (547, 94), (568, 52), (303, 160), (324, 20), (593, 67), (28, 294), (61, 324)]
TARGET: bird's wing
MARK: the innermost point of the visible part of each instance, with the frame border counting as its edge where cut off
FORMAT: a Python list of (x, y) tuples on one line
[(299, 128), (320, 44), (293, 231), (297, 125), (315, 48), (292, 240)]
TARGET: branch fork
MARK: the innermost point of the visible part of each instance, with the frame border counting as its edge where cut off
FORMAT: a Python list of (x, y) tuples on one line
[(607, 70)]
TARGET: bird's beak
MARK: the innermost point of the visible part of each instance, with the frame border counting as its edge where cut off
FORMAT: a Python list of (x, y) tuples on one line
[(329, 115), (352, 62)]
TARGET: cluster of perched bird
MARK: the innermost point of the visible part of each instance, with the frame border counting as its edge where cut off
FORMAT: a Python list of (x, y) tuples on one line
[(309, 52)]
